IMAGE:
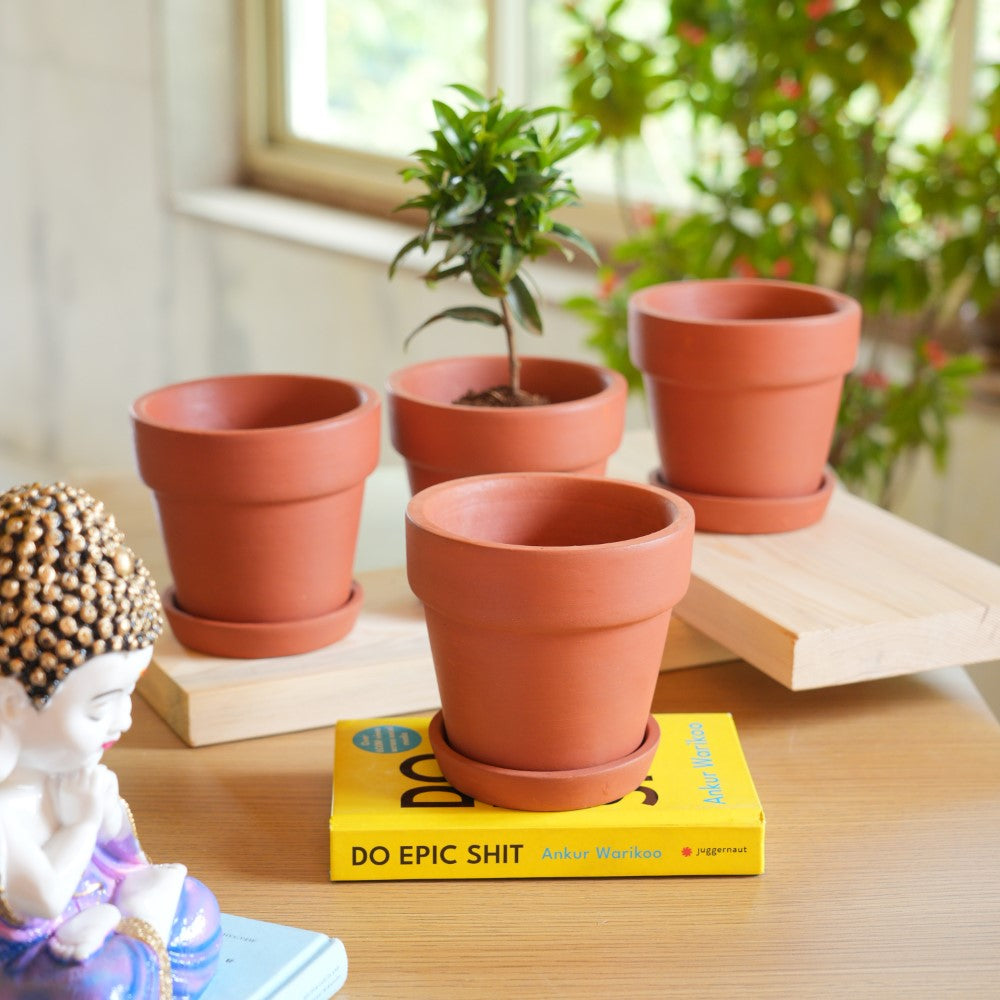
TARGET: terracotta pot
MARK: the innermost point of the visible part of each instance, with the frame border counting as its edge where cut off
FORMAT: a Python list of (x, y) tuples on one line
[(258, 482), (743, 379), (577, 432), (547, 599)]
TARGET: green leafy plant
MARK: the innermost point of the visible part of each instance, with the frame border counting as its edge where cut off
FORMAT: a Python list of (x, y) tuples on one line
[(617, 80), (492, 181), (884, 424), (796, 114)]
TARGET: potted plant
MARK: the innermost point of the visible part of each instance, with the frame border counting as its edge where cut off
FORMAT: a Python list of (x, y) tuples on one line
[(806, 168), (493, 181), (258, 481), (547, 598)]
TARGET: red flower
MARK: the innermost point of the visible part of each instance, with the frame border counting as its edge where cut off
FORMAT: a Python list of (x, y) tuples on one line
[(693, 34), (643, 215), (754, 156), (608, 285), (817, 9), (789, 87), (782, 268), (742, 268), (934, 354), (873, 379)]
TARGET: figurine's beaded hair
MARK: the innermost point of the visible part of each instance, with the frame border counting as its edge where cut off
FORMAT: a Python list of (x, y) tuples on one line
[(70, 588)]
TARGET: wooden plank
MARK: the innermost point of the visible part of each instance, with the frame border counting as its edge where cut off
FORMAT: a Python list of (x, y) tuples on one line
[(862, 594), (688, 647), (383, 667)]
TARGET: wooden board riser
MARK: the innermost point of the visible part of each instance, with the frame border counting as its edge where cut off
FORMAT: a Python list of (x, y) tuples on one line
[(383, 667), (861, 595)]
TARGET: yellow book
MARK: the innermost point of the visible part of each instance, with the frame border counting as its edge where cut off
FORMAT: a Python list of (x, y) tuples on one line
[(394, 816)]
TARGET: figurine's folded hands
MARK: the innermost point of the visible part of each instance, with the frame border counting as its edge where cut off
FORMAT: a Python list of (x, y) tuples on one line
[(84, 796), (42, 878)]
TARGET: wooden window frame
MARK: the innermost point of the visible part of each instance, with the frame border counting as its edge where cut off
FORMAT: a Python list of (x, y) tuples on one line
[(274, 159)]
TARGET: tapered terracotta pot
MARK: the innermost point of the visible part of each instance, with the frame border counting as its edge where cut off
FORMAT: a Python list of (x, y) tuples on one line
[(576, 432), (547, 599), (743, 379), (258, 482)]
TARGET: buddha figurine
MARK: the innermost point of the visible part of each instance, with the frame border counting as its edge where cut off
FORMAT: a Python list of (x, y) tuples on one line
[(83, 912)]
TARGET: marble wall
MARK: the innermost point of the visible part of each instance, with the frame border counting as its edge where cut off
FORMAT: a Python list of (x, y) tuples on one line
[(111, 113), (82, 229)]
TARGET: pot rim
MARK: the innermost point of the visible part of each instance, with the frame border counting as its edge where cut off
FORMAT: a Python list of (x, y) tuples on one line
[(614, 383), (681, 512), (842, 305), (367, 400)]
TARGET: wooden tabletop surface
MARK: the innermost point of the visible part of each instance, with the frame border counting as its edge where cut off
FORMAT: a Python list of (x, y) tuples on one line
[(883, 854), (883, 879)]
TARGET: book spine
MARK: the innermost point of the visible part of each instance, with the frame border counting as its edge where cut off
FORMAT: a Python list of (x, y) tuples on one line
[(372, 855)]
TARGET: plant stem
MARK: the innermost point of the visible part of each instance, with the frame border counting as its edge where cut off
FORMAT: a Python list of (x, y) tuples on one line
[(513, 361), (621, 188)]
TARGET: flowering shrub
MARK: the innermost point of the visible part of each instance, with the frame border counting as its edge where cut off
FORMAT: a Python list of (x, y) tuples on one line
[(884, 423), (802, 173)]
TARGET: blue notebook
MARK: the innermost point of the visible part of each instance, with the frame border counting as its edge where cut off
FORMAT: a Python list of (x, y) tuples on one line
[(265, 961)]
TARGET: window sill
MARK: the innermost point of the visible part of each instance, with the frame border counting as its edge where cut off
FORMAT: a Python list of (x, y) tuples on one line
[(294, 221), (340, 232)]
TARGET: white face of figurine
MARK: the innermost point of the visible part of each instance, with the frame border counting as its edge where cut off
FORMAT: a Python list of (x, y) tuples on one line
[(88, 713)]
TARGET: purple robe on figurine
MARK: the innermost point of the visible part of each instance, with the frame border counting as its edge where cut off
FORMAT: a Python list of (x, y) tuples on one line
[(129, 964)]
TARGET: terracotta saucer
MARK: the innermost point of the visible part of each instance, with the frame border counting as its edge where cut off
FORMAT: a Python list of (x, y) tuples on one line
[(257, 640), (544, 791), (753, 515)]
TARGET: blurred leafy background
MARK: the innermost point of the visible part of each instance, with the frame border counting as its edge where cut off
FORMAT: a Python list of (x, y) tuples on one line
[(801, 163)]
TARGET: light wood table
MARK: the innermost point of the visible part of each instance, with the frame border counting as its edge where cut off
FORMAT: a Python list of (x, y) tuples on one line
[(882, 880), (883, 854)]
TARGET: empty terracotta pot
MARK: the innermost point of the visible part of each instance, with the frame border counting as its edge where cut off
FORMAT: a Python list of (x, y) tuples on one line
[(258, 482), (576, 432), (743, 379), (547, 599)]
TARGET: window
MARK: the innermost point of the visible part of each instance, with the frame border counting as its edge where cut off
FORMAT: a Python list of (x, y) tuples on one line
[(339, 92)]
